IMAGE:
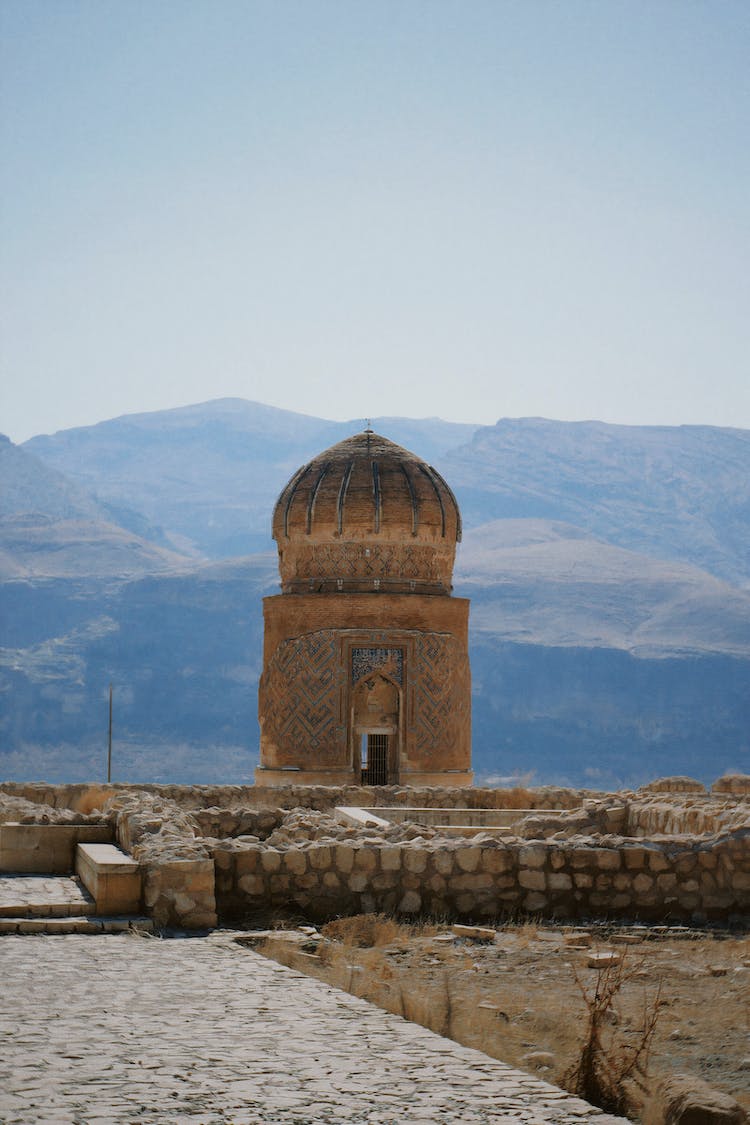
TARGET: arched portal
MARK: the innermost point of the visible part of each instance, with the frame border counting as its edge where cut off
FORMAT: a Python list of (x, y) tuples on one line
[(376, 709)]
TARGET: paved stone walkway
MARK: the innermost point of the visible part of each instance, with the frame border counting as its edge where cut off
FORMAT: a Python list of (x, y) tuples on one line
[(48, 895), (97, 1030)]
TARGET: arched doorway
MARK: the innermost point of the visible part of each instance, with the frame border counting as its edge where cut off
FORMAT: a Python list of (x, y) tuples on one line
[(375, 729)]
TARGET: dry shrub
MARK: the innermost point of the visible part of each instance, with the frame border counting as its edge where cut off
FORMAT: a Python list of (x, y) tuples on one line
[(607, 1065), (363, 931), (525, 934)]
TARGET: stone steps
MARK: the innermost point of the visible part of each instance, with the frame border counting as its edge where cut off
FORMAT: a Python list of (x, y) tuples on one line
[(23, 909), (52, 896), (79, 924)]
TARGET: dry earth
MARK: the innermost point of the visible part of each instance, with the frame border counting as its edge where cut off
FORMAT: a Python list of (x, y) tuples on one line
[(517, 999)]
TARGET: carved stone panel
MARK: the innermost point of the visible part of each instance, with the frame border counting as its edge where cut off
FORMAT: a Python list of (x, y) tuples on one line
[(299, 694), (441, 697), (390, 661)]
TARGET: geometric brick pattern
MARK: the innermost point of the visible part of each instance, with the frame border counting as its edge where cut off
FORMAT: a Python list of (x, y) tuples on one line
[(299, 694), (441, 691), (388, 660), (406, 561)]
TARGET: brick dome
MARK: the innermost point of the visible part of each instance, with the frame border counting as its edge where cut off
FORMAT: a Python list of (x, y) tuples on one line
[(366, 516)]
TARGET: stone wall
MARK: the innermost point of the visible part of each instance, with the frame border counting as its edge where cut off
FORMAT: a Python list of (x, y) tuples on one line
[(675, 878), (87, 797), (654, 855), (735, 783), (675, 816), (177, 867)]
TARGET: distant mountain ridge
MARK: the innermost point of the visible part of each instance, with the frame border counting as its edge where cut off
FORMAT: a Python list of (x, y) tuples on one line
[(208, 474), (608, 568), (205, 474), (672, 492)]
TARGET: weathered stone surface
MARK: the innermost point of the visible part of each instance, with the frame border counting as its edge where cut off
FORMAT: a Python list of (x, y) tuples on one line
[(532, 856), (411, 903), (270, 1045), (534, 880), (468, 858), (687, 1100)]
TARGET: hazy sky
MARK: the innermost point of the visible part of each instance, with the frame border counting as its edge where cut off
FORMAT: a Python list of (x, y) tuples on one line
[(367, 207)]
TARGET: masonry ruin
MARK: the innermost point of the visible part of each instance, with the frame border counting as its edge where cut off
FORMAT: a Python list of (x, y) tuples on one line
[(671, 852), (366, 663)]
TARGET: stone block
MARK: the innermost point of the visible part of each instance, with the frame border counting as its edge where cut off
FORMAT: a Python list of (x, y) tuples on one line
[(533, 880), (635, 858), (384, 881), (468, 858), (223, 859), (559, 881), (415, 861), (532, 855), (48, 849), (411, 903), (390, 858), (444, 861), (365, 859), (606, 859), (294, 860), (495, 860), (112, 878), (344, 858), (687, 1100), (246, 861), (319, 856), (251, 884)]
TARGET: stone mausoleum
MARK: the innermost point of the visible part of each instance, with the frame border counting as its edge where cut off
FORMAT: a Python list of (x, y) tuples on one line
[(366, 664)]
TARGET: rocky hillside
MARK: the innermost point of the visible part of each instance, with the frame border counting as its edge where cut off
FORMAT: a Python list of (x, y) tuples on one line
[(607, 567), (51, 526)]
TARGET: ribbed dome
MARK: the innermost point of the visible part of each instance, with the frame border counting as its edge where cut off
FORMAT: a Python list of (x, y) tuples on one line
[(367, 515)]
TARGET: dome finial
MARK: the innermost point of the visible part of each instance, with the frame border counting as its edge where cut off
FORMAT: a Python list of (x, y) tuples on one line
[(368, 427)]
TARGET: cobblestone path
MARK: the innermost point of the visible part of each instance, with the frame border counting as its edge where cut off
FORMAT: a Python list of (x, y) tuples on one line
[(43, 894), (95, 1030)]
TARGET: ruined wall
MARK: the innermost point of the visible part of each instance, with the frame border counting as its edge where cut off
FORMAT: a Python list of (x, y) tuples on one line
[(653, 856), (698, 879), (83, 797), (177, 867)]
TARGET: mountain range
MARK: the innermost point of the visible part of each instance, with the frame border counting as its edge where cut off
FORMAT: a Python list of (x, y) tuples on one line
[(608, 568)]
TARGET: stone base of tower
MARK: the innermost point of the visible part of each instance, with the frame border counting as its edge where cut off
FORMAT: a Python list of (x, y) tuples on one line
[(365, 689), (276, 779)]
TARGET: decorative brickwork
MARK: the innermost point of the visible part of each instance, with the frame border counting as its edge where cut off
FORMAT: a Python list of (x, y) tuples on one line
[(387, 660), (299, 694), (440, 693), (395, 564)]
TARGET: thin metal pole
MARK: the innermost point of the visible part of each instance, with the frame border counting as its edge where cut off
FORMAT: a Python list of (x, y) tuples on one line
[(109, 750)]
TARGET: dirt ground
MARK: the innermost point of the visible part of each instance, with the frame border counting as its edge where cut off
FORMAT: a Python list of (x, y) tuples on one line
[(516, 997)]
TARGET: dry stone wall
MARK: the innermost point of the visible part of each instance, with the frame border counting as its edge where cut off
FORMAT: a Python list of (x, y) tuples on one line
[(210, 852), (87, 797), (176, 865), (675, 878)]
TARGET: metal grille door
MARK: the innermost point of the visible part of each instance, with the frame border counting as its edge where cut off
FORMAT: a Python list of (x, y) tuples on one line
[(375, 770)]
